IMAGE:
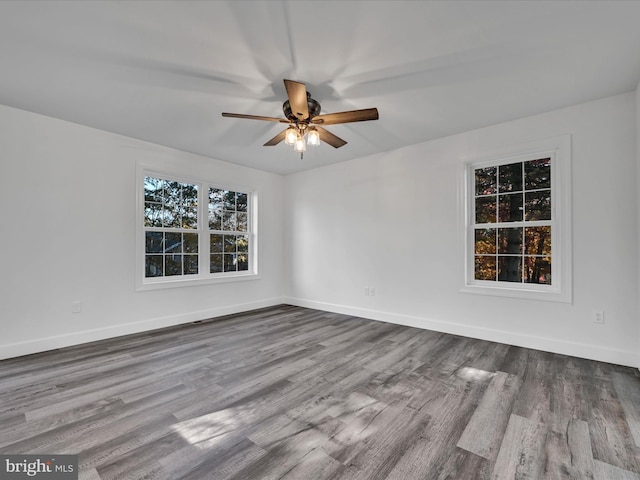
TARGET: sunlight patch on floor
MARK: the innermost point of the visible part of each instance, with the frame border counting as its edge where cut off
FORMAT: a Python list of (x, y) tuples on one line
[(208, 430), (473, 374)]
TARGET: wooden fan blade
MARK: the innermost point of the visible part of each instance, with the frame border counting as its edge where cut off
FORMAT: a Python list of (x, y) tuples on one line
[(255, 117), (346, 117), (328, 137), (276, 140), (297, 93)]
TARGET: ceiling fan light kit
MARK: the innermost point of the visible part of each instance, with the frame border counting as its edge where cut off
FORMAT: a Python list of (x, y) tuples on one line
[(303, 116)]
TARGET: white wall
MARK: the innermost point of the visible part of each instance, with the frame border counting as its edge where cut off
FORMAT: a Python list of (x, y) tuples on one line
[(67, 204), (387, 221), (390, 221)]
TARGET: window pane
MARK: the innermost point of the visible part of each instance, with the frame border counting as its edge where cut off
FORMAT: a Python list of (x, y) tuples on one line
[(510, 269), (153, 266), (485, 180), (242, 222), (229, 221), (537, 174), (152, 189), (152, 215), (230, 243), (190, 217), (215, 196), (486, 209), (510, 207), (172, 265), (190, 242), (173, 242), (154, 242), (538, 205), (215, 263), (229, 262), (171, 216), (189, 195), (190, 264), (172, 193), (485, 267), (215, 219), (243, 262), (538, 240), (538, 270), (485, 241), (510, 240), (510, 177), (229, 200), (241, 202), (216, 243), (242, 242)]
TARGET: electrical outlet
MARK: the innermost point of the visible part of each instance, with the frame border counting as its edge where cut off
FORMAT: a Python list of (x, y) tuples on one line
[(76, 307), (372, 291), (598, 316)]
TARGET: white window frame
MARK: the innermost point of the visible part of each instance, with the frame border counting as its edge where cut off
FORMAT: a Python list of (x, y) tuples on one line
[(203, 276), (559, 150)]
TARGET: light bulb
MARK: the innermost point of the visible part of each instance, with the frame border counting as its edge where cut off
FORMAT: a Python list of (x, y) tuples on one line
[(300, 146), (291, 135), (313, 137)]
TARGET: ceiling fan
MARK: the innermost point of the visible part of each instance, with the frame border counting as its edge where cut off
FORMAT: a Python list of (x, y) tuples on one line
[(303, 116)]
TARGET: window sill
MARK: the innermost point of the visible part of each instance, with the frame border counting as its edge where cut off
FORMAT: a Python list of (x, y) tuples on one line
[(148, 284), (525, 292)]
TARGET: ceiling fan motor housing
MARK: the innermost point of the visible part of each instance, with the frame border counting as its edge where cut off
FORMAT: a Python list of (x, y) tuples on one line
[(313, 105)]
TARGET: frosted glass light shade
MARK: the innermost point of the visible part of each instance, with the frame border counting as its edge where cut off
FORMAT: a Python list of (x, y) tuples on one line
[(291, 135), (300, 145), (313, 137)]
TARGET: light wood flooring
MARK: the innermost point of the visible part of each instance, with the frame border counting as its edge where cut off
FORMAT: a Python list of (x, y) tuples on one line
[(292, 393)]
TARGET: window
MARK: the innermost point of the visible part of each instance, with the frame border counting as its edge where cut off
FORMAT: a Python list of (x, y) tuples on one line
[(516, 243), (193, 232), (512, 208), (228, 222), (171, 222)]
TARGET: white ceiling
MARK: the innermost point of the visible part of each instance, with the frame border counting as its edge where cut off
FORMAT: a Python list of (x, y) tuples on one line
[(164, 71)]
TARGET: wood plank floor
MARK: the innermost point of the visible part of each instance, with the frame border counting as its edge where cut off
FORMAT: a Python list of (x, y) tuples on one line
[(298, 394)]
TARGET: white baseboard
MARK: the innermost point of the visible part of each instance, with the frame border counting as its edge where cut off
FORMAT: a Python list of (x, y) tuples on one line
[(76, 338), (592, 352), (553, 345)]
